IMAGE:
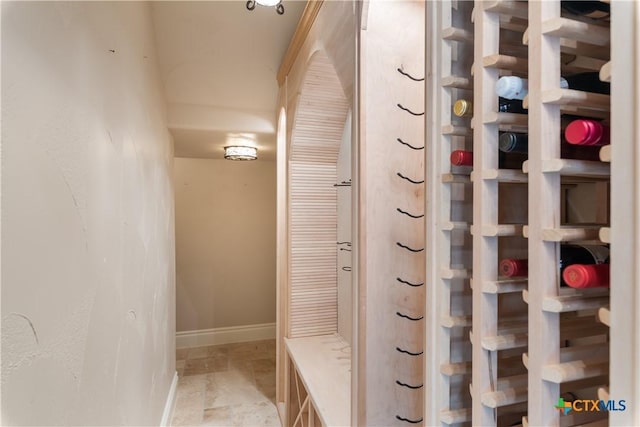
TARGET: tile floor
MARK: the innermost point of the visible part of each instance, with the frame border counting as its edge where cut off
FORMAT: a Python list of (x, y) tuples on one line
[(227, 385)]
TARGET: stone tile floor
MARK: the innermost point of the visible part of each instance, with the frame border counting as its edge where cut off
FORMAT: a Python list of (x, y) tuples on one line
[(227, 385)]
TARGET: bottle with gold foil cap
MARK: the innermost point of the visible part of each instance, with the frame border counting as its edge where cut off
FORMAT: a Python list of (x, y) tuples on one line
[(463, 108)]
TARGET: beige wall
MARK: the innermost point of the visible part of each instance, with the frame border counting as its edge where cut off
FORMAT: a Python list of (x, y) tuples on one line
[(87, 217), (225, 243)]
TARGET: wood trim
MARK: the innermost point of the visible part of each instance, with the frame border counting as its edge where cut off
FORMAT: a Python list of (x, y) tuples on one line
[(302, 30), (225, 335)]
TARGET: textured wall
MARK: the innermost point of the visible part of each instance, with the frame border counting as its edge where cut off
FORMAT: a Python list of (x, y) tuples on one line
[(225, 243), (87, 217)]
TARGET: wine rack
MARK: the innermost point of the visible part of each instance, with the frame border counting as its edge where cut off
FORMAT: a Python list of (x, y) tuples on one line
[(554, 361), (533, 341), (441, 335), (499, 338), (448, 364)]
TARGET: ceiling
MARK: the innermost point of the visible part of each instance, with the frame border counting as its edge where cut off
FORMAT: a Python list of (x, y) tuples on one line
[(218, 62)]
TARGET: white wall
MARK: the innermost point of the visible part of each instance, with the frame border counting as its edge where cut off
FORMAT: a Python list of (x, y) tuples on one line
[(87, 217), (225, 243)]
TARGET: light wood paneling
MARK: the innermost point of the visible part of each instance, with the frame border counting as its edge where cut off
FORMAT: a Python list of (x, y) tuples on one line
[(389, 359), (315, 143)]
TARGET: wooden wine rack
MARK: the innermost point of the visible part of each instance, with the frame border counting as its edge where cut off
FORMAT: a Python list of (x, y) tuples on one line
[(448, 364), (463, 345), (554, 367), (532, 341), (499, 387)]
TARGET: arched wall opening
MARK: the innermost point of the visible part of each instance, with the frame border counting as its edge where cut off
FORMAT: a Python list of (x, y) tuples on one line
[(316, 136)]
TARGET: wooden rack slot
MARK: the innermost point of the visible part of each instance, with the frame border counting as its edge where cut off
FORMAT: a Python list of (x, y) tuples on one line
[(568, 354), (508, 7), (572, 167), (506, 382), (575, 370), (506, 119), (604, 314), (572, 234), (498, 230), (508, 396), (455, 225), (505, 342), (600, 113), (456, 82), (562, 304), (456, 130), (455, 416), (605, 72), (576, 30), (450, 178), (577, 98), (506, 62), (603, 393), (583, 63), (455, 321), (453, 369), (450, 274), (605, 234), (457, 34), (576, 47), (504, 286), (504, 175), (507, 22), (605, 153)]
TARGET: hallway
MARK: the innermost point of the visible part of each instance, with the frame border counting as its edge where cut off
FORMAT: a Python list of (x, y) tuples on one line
[(227, 385)]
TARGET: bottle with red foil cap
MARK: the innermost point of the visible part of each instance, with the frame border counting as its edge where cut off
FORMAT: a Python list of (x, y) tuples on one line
[(586, 275), (588, 266), (461, 158), (587, 132), (505, 160), (512, 267)]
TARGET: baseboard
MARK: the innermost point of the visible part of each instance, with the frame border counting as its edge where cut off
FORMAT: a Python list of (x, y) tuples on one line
[(232, 334), (170, 405)]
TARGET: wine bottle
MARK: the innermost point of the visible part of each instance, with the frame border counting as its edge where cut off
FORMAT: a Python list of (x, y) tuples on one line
[(590, 9), (505, 160), (588, 82), (512, 142), (589, 256), (461, 158), (464, 107), (513, 87), (587, 132), (587, 275), (512, 267)]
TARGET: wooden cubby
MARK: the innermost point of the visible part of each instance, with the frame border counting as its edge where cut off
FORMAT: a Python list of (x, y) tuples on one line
[(437, 336)]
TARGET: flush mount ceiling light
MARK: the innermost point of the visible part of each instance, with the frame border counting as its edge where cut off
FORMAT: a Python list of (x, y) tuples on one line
[(240, 152), (251, 4)]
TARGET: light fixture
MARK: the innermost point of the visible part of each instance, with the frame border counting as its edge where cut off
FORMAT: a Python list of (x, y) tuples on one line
[(240, 152), (251, 4)]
